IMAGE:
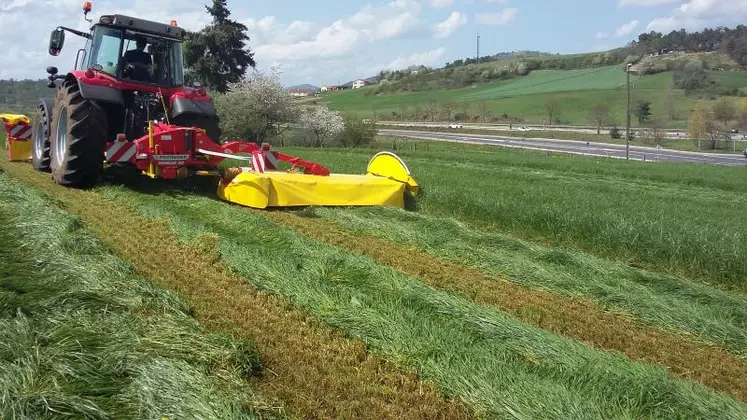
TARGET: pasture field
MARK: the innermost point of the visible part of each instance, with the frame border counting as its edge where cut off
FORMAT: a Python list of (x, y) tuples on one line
[(524, 98), (517, 285), (679, 219)]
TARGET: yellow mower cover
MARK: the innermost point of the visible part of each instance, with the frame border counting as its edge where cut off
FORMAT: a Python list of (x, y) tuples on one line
[(17, 143), (385, 184)]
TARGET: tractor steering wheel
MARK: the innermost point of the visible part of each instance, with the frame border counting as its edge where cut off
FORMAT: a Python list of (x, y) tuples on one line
[(137, 71)]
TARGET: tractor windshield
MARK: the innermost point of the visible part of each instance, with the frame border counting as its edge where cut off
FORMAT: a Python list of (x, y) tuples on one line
[(137, 56)]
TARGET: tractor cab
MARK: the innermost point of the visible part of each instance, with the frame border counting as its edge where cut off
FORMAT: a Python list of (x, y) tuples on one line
[(135, 56), (130, 49)]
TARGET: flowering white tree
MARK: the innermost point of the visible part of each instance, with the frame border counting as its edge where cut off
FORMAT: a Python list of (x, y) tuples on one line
[(256, 106), (321, 124)]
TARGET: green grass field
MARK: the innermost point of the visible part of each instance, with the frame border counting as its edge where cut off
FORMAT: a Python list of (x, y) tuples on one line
[(81, 336), (491, 361), (524, 97), (623, 292), (659, 216)]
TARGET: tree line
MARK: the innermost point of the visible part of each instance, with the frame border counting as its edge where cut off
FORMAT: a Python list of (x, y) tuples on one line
[(732, 42)]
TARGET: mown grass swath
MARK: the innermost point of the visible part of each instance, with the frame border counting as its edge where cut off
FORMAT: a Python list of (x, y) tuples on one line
[(498, 365), (313, 369), (679, 219), (670, 303), (82, 337)]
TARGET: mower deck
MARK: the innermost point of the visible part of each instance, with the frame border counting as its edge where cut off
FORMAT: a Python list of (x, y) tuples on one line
[(385, 184)]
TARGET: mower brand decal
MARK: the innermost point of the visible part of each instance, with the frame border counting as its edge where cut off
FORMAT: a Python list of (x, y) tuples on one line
[(170, 158), (120, 151), (166, 137)]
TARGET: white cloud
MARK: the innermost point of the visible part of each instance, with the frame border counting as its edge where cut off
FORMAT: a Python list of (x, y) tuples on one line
[(646, 3), (503, 17), (627, 28), (450, 25), (440, 4), (334, 40), (428, 58), (698, 14), (602, 35)]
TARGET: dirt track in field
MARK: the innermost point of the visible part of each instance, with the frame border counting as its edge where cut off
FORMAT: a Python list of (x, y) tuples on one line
[(578, 319), (309, 368)]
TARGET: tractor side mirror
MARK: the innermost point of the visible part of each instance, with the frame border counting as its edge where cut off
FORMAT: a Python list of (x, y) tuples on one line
[(56, 41)]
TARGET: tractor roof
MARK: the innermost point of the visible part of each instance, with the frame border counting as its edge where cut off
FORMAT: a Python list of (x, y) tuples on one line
[(142, 25)]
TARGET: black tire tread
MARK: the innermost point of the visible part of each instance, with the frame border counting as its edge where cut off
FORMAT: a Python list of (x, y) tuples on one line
[(41, 117), (86, 137)]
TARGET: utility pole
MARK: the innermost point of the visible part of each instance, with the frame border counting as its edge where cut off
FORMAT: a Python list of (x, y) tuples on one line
[(627, 124), (478, 48)]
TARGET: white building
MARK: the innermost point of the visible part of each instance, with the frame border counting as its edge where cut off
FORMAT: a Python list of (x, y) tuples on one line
[(359, 84)]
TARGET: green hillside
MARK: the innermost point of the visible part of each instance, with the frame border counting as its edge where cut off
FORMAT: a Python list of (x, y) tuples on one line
[(523, 98)]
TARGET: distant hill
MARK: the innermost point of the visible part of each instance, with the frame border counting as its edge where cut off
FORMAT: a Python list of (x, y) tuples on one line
[(303, 87), (22, 96)]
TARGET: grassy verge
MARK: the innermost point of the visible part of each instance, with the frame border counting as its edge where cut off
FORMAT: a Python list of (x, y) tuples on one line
[(496, 364), (680, 219), (312, 369), (81, 336), (674, 144)]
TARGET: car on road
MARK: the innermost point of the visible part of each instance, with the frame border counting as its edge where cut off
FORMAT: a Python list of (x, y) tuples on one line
[(455, 125), (522, 129)]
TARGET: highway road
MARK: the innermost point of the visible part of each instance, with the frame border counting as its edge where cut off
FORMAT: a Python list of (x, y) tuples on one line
[(648, 154)]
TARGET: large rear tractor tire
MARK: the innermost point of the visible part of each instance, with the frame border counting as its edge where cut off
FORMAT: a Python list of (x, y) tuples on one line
[(78, 138), (211, 125), (41, 128)]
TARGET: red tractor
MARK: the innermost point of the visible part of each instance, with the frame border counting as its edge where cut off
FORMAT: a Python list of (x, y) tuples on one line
[(127, 78)]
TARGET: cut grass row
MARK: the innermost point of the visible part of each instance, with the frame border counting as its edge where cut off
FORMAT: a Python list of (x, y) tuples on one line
[(497, 364), (680, 219), (572, 316), (313, 370), (667, 302), (81, 336)]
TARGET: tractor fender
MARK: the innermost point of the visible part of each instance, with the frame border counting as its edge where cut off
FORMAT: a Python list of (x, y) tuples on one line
[(181, 105), (97, 93), (101, 93)]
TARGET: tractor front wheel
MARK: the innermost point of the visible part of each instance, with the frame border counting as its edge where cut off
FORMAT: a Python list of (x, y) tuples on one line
[(77, 139)]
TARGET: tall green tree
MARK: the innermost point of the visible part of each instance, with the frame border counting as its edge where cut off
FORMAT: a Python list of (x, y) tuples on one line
[(218, 55), (642, 111)]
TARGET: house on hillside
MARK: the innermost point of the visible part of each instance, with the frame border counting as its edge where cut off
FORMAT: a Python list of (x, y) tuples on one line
[(300, 93), (359, 84)]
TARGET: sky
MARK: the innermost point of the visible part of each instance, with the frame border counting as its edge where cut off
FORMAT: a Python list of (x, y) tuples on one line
[(335, 41)]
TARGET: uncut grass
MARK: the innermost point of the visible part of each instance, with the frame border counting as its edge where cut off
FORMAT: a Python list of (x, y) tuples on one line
[(312, 369), (709, 314), (498, 365), (679, 219), (82, 337)]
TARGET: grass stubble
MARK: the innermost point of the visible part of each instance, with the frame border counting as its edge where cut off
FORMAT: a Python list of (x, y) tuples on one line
[(498, 365), (572, 317), (312, 370), (81, 336)]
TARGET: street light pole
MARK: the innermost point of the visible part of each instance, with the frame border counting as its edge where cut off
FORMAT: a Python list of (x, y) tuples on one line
[(627, 124)]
